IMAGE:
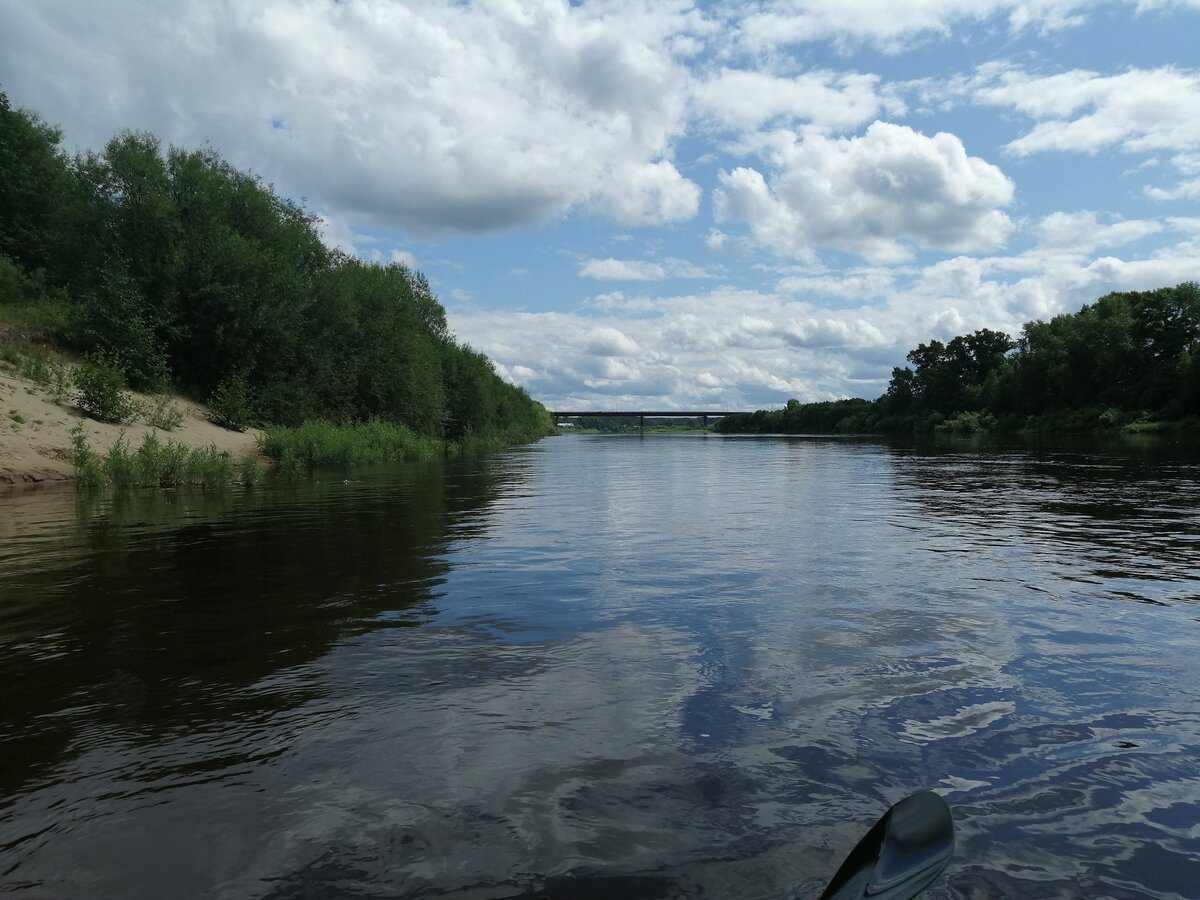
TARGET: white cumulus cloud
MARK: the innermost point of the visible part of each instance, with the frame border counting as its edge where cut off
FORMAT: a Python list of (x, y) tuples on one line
[(893, 24), (622, 270), (871, 195), (431, 116), (611, 269), (1188, 189), (1084, 111), (649, 194), (746, 100), (1084, 231)]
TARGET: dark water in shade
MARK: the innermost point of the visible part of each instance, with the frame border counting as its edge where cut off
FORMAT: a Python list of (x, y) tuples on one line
[(608, 667)]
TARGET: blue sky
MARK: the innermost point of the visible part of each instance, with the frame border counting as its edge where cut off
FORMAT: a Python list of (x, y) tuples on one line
[(674, 204)]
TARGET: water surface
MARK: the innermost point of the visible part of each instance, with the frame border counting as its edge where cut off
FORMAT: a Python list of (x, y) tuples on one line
[(608, 666)]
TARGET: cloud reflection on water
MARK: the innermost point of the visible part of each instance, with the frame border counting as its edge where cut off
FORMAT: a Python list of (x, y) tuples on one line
[(590, 664)]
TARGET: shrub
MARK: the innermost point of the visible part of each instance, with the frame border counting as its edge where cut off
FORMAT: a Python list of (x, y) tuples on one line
[(101, 386), (17, 286), (162, 413), (1112, 418), (229, 405), (969, 422)]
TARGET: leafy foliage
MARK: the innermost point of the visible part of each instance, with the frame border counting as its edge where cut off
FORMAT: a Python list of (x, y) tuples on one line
[(182, 269), (229, 404), (36, 179), (1121, 362), (318, 443), (162, 413), (101, 389)]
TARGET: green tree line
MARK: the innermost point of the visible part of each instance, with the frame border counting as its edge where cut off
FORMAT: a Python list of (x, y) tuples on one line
[(181, 270), (1130, 357)]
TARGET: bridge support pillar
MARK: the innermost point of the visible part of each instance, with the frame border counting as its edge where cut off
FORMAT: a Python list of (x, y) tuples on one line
[(641, 424)]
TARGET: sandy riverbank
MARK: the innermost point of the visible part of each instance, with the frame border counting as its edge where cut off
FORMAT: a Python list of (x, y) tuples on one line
[(35, 439)]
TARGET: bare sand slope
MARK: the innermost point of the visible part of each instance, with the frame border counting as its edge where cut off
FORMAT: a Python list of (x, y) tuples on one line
[(35, 440)]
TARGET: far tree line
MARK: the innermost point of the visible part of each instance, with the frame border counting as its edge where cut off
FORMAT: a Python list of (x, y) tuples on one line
[(180, 270), (1130, 357)]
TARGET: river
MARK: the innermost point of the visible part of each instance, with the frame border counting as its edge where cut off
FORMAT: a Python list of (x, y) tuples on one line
[(670, 666)]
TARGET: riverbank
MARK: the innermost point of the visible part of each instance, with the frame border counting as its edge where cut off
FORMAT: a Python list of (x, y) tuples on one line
[(35, 432)]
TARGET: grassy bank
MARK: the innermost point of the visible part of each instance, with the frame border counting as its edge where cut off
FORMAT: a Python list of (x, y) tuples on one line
[(155, 463), (111, 421), (321, 443)]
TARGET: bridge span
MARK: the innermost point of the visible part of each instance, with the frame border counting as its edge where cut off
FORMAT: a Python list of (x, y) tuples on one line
[(643, 414)]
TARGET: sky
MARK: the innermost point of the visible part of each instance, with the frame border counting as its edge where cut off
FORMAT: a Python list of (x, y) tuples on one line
[(635, 204)]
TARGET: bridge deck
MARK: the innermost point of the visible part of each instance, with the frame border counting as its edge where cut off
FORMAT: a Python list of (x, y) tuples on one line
[(642, 414)]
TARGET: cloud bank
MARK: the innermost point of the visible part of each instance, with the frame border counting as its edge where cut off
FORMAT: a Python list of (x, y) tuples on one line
[(786, 195)]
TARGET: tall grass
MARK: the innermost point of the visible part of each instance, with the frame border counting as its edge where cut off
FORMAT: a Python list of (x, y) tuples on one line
[(250, 471), (89, 469), (321, 443), (156, 463), (42, 366), (160, 412)]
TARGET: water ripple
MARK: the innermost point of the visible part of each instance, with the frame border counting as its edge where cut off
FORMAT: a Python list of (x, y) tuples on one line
[(608, 667)]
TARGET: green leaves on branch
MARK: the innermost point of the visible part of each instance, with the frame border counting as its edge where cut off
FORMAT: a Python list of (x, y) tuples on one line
[(114, 320), (1130, 360), (230, 405), (1127, 357), (179, 268), (101, 395), (100, 385)]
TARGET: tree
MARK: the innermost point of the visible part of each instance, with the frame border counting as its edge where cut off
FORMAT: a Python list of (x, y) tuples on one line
[(181, 267), (34, 188)]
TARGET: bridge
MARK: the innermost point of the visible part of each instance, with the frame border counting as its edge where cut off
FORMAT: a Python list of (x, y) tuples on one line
[(642, 415)]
